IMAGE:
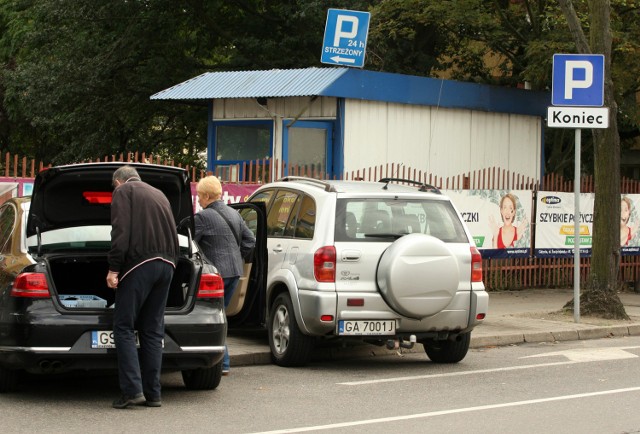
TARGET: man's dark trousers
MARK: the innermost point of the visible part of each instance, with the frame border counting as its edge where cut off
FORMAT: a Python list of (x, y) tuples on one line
[(141, 299)]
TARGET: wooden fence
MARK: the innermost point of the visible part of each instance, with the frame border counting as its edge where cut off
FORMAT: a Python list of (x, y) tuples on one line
[(499, 274)]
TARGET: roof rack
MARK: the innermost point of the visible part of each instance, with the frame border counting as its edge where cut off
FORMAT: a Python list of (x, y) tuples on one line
[(423, 186), (318, 182)]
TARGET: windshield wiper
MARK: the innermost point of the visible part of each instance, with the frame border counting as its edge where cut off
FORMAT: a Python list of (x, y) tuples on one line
[(384, 235)]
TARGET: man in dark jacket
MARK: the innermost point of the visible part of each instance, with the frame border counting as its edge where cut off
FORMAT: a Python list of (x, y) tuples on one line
[(224, 238), (142, 259)]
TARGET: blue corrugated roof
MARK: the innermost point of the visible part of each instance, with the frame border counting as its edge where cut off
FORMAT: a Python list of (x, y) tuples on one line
[(358, 84), (253, 84)]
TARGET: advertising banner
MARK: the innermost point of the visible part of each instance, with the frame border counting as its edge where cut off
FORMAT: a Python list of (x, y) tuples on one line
[(498, 220), (231, 193), (629, 224), (14, 187), (555, 224)]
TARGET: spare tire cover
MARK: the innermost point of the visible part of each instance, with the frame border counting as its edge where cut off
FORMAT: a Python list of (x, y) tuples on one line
[(418, 275)]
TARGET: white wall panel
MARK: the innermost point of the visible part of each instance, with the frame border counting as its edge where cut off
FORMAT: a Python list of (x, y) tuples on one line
[(489, 140), (450, 146), (385, 133), (365, 134), (525, 137), (443, 142), (408, 135)]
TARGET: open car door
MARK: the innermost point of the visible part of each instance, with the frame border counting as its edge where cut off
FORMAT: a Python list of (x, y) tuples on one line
[(248, 304)]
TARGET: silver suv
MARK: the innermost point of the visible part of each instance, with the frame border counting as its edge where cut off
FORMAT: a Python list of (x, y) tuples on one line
[(379, 262)]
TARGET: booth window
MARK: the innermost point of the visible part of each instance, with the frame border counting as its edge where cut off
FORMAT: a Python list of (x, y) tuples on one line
[(242, 141)]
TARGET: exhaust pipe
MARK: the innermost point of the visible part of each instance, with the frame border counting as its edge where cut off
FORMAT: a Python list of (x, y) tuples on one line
[(394, 344), (45, 365), (50, 366)]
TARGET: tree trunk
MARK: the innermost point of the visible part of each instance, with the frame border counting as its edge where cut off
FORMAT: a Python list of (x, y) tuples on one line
[(601, 295)]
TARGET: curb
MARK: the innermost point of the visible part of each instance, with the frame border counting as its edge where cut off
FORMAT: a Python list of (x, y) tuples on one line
[(262, 356)]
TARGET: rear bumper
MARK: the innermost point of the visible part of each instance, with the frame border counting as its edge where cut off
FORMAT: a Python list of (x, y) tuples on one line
[(458, 317), (62, 343), (58, 360)]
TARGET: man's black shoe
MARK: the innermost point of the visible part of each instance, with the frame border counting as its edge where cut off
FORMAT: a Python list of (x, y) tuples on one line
[(156, 403), (124, 401)]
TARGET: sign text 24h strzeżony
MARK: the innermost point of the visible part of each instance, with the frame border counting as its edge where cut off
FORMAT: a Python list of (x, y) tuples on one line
[(345, 38)]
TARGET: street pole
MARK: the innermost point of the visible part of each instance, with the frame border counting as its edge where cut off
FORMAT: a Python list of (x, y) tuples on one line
[(576, 231)]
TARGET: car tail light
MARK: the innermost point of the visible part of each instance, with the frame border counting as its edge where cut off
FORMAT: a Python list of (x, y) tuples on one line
[(211, 286), (98, 197), (324, 264), (32, 285), (476, 265)]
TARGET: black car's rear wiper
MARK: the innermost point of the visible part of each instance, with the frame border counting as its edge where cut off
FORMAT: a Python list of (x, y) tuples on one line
[(384, 235)]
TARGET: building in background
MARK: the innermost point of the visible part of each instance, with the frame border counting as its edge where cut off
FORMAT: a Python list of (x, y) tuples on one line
[(337, 120)]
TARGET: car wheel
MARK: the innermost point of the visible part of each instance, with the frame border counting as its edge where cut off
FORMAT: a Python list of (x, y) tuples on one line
[(203, 378), (289, 346), (8, 380), (448, 351)]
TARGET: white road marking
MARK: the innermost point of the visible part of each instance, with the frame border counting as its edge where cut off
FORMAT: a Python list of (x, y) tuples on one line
[(579, 355), (453, 374), (592, 354), (452, 411)]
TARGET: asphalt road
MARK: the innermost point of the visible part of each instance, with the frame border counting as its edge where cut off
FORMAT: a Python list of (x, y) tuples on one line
[(590, 386)]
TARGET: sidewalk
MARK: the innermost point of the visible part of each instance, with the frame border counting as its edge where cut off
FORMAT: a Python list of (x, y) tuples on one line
[(514, 317)]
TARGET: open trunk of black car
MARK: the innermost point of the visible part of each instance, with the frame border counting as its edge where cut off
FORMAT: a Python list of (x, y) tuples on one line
[(80, 282)]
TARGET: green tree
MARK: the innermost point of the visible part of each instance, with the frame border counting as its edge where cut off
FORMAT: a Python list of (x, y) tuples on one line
[(81, 72), (507, 43), (77, 74), (601, 297)]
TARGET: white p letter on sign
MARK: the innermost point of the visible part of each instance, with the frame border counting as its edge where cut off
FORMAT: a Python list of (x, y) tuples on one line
[(570, 83), (339, 29)]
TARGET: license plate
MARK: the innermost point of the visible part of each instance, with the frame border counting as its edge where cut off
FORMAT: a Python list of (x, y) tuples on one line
[(366, 328), (105, 339)]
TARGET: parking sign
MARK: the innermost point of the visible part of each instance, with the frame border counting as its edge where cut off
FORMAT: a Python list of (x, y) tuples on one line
[(345, 37), (578, 80)]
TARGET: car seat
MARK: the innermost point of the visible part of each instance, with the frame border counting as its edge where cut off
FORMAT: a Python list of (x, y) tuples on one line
[(350, 224), (376, 222)]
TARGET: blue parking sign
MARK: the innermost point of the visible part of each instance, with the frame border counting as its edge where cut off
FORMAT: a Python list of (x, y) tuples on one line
[(345, 37), (578, 80)]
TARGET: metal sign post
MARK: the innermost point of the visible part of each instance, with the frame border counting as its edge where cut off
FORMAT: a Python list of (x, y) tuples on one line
[(578, 87), (576, 230)]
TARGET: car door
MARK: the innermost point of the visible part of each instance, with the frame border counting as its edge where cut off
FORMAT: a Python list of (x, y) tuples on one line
[(248, 303), (280, 231)]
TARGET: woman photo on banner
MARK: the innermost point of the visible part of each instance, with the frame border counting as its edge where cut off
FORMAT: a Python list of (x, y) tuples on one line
[(505, 236), (627, 228)]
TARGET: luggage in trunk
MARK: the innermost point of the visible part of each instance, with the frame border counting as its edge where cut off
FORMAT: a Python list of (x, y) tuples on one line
[(80, 281)]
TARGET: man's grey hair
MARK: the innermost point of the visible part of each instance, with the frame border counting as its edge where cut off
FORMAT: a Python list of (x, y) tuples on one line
[(125, 173)]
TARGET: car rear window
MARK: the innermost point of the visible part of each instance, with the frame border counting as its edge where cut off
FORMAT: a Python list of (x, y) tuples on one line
[(375, 219)]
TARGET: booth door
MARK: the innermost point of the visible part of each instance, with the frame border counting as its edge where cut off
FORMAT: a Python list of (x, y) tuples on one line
[(307, 148)]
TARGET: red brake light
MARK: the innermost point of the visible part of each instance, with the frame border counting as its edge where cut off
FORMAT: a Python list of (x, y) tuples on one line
[(98, 197), (211, 286), (476, 265), (32, 285), (324, 264)]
